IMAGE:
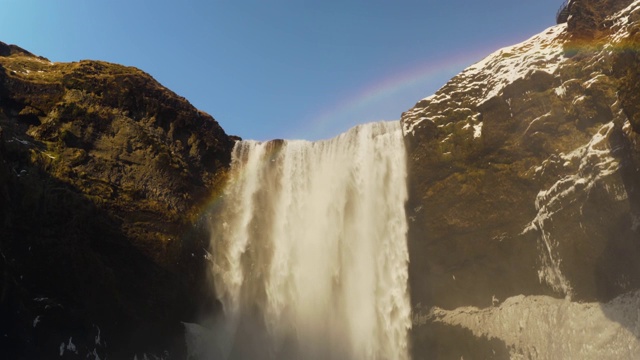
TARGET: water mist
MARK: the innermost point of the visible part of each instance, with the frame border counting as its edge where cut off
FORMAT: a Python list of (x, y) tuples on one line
[(309, 250)]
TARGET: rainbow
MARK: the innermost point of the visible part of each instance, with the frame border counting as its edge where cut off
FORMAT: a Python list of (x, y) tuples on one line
[(424, 79)]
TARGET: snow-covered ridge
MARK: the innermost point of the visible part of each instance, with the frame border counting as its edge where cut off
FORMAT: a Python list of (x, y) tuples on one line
[(488, 77), (542, 52)]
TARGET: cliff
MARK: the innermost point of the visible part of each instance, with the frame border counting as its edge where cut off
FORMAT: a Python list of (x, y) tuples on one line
[(524, 203), (102, 173), (524, 189)]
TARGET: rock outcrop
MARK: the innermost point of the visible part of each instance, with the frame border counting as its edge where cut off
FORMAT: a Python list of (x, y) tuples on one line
[(524, 180), (102, 173)]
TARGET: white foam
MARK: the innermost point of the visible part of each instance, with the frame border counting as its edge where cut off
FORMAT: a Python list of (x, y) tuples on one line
[(313, 238)]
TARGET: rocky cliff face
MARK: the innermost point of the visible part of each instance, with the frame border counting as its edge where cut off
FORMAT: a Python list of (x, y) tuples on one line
[(102, 171), (524, 203), (524, 182)]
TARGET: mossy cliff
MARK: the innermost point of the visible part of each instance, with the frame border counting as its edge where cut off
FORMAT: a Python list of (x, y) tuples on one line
[(524, 179), (102, 173)]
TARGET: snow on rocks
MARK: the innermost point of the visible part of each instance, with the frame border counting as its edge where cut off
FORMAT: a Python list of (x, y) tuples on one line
[(488, 77), (542, 52), (594, 162), (542, 327), (622, 20)]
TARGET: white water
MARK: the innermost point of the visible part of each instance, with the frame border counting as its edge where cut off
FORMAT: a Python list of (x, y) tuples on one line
[(309, 252)]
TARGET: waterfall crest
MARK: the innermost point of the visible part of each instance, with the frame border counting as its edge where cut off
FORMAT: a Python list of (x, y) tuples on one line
[(309, 250)]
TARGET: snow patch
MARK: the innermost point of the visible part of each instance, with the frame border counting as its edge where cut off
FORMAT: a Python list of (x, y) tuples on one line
[(595, 162), (477, 130), (622, 22), (578, 330), (23, 142), (488, 77), (578, 99), (542, 52), (71, 346), (409, 127), (544, 116), (97, 337), (94, 354), (587, 84)]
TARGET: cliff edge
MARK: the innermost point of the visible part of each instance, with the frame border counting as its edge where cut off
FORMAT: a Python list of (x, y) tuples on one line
[(102, 173), (524, 181)]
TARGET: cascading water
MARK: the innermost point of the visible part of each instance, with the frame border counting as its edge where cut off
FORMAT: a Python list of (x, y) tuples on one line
[(309, 250)]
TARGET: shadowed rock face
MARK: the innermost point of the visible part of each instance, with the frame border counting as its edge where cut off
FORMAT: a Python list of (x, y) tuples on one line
[(588, 19), (524, 176), (102, 173)]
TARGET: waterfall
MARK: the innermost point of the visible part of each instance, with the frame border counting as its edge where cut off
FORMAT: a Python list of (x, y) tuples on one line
[(309, 248)]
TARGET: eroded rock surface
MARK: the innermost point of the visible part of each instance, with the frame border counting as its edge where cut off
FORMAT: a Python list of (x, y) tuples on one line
[(524, 177)]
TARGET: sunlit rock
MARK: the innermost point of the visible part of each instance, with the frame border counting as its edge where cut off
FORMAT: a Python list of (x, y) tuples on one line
[(545, 201)]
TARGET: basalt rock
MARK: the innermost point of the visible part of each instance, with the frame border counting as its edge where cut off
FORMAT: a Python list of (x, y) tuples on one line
[(102, 175), (523, 179)]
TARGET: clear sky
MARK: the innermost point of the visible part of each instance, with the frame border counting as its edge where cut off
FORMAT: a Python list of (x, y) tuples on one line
[(281, 69)]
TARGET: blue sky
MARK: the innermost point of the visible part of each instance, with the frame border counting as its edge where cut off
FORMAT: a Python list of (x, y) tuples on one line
[(281, 69)]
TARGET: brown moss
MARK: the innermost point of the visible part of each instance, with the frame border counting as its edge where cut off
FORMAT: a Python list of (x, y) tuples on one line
[(108, 171)]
